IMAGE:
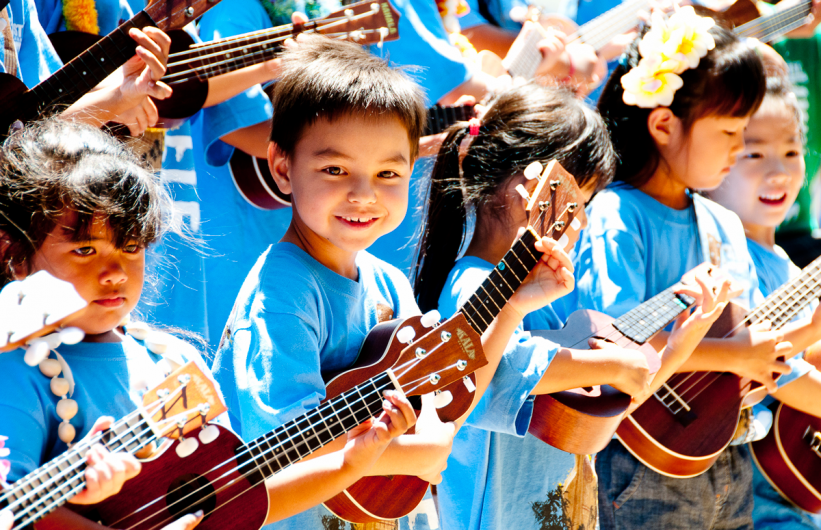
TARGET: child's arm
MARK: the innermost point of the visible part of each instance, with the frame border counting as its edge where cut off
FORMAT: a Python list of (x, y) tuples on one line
[(311, 482), (803, 394)]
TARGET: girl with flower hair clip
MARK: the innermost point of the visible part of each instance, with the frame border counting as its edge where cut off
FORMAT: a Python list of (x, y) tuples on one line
[(676, 108)]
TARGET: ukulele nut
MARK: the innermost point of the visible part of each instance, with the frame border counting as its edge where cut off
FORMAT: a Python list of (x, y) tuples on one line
[(434, 379), (421, 353), (445, 336), (461, 365), (544, 205), (554, 184)]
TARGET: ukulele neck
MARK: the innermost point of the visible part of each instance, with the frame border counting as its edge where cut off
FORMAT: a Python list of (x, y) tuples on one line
[(644, 321), (783, 304)]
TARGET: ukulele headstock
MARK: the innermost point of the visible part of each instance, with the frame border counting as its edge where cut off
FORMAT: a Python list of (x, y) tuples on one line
[(445, 354), (174, 14), (184, 401), (34, 307), (556, 206), (368, 22)]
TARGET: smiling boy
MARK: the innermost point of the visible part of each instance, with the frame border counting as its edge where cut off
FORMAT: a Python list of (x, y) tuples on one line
[(344, 138)]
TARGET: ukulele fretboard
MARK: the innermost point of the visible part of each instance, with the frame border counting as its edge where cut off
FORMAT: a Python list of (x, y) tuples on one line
[(87, 70), (298, 438), (50, 486), (644, 321), (502, 282), (769, 27), (783, 304), (440, 118)]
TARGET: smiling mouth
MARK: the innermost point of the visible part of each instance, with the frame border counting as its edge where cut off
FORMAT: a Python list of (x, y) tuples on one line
[(773, 199), (357, 222)]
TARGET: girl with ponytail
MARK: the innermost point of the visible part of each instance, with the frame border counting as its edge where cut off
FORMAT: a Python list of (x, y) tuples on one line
[(499, 476)]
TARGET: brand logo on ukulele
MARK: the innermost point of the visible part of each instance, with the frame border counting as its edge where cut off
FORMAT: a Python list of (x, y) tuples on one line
[(466, 343), (386, 12)]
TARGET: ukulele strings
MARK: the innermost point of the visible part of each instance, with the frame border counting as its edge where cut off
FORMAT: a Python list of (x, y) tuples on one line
[(782, 295), (49, 502), (772, 21), (604, 29), (400, 371), (248, 59)]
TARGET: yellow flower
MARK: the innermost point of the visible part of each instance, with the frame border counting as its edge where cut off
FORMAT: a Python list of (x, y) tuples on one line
[(647, 86), (681, 41), (81, 15)]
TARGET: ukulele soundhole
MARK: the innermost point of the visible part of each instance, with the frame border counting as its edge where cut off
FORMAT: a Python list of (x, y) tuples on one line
[(189, 493)]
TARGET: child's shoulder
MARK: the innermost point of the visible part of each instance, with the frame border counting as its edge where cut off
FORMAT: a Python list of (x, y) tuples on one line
[(390, 282), (464, 279), (619, 206), (285, 264)]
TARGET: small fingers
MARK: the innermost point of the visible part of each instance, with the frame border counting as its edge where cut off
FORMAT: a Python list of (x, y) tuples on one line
[(6, 520), (297, 17)]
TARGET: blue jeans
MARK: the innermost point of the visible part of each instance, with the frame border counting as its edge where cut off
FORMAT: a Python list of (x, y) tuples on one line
[(774, 512), (631, 495)]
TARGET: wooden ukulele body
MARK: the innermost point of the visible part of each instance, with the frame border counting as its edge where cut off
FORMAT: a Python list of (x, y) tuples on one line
[(582, 421), (686, 443), (211, 468), (381, 498), (790, 458)]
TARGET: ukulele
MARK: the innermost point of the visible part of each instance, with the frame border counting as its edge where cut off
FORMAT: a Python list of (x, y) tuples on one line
[(552, 210), (34, 307), (254, 181), (87, 70), (184, 402), (770, 27), (790, 455), (226, 478), (693, 417), (583, 420)]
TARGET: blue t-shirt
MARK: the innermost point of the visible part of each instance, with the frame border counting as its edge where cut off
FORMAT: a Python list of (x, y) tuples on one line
[(110, 14), (499, 475), (109, 379), (634, 247), (293, 320), (36, 58)]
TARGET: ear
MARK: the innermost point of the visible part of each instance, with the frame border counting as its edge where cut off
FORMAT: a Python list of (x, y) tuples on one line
[(661, 123), (280, 167)]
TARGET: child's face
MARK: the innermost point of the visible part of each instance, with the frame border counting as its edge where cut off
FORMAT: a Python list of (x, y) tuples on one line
[(769, 173), (108, 278), (349, 179), (703, 156)]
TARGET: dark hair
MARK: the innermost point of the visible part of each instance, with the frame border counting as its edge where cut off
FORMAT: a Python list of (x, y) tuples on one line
[(525, 124), (325, 78), (57, 164), (728, 81), (780, 90)]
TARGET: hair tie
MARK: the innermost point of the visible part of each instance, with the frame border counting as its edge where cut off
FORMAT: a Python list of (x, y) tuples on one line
[(473, 126)]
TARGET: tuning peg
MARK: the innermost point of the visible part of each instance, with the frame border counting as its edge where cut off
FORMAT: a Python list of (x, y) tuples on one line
[(208, 434), (523, 192), (186, 447), (442, 398), (52, 339), (71, 335), (430, 319), (575, 224), (349, 13), (469, 384), (406, 335), (533, 171), (563, 241)]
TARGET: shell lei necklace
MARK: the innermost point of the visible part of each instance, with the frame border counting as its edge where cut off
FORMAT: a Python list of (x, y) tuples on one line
[(38, 353)]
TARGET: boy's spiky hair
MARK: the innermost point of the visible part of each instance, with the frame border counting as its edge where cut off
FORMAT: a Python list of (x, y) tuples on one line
[(325, 78)]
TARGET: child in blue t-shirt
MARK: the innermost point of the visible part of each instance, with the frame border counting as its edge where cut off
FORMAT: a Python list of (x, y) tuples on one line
[(499, 475), (761, 188), (677, 125), (344, 137), (78, 204)]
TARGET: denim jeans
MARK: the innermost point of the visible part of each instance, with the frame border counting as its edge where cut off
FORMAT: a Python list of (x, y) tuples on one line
[(631, 495), (774, 512)]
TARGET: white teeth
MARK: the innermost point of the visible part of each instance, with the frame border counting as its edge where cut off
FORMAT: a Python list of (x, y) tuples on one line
[(773, 196), (357, 219)]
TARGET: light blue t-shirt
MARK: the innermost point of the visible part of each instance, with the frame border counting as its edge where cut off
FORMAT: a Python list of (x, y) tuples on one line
[(36, 58), (634, 247), (109, 379), (499, 475), (295, 319), (110, 14)]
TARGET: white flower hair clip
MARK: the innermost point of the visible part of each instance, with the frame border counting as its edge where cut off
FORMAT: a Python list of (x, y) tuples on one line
[(670, 47)]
